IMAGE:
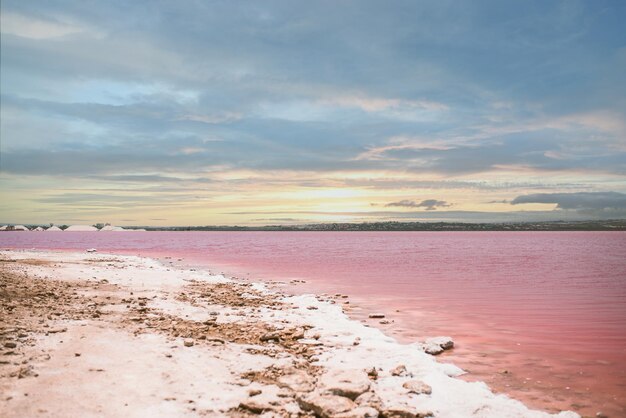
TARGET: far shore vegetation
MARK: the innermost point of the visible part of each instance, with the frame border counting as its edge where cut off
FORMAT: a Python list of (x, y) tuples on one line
[(594, 225)]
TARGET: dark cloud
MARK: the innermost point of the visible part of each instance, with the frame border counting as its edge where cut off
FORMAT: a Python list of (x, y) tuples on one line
[(429, 204), (577, 201)]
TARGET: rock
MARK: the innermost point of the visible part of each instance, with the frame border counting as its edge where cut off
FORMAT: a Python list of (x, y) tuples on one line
[(400, 370), (359, 412), (311, 308), (437, 345), (418, 387), (376, 315), (372, 373), (370, 399), (270, 336), (348, 383), (10, 344), (325, 406), (26, 371), (188, 342), (432, 349), (404, 411), (91, 250), (256, 405), (445, 342), (254, 392), (298, 334), (296, 380)]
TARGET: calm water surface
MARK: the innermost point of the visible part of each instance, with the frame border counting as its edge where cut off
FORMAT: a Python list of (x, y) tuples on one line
[(538, 315)]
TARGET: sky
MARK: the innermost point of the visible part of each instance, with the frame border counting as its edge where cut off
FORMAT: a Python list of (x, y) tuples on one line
[(292, 112)]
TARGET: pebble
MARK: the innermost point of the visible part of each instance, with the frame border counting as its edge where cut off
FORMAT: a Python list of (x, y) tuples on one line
[(347, 383), (188, 342), (325, 405), (376, 315), (418, 387), (399, 370), (254, 392), (296, 380)]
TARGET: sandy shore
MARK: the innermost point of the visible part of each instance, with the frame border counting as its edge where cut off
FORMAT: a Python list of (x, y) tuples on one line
[(88, 334)]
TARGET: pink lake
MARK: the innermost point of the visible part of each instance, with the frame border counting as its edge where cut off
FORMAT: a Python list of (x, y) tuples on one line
[(540, 316)]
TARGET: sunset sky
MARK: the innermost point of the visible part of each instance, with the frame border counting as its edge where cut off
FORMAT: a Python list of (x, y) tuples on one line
[(233, 112)]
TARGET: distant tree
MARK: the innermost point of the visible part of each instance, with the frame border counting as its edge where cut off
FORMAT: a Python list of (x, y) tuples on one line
[(63, 227)]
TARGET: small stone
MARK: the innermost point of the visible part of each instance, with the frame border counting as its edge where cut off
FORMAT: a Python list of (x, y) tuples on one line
[(400, 370), (348, 383), (325, 406), (255, 406), (10, 344), (296, 380), (437, 345), (372, 373), (404, 411), (376, 315), (311, 308), (188, 342), (370, 399), (418, 387), (298, 334), (270, 336), (359, 412), (26, 371), (254, 392), (76, 354)]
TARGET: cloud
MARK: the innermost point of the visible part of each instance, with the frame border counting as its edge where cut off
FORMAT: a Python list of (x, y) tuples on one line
[(34, 28), (577, 201), (429, 204), (420, 96)]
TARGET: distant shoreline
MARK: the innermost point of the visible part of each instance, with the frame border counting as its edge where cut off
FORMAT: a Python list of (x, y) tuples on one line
[(607, 225)]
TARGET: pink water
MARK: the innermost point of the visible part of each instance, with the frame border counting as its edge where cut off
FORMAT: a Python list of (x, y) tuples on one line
[(547, 307)]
